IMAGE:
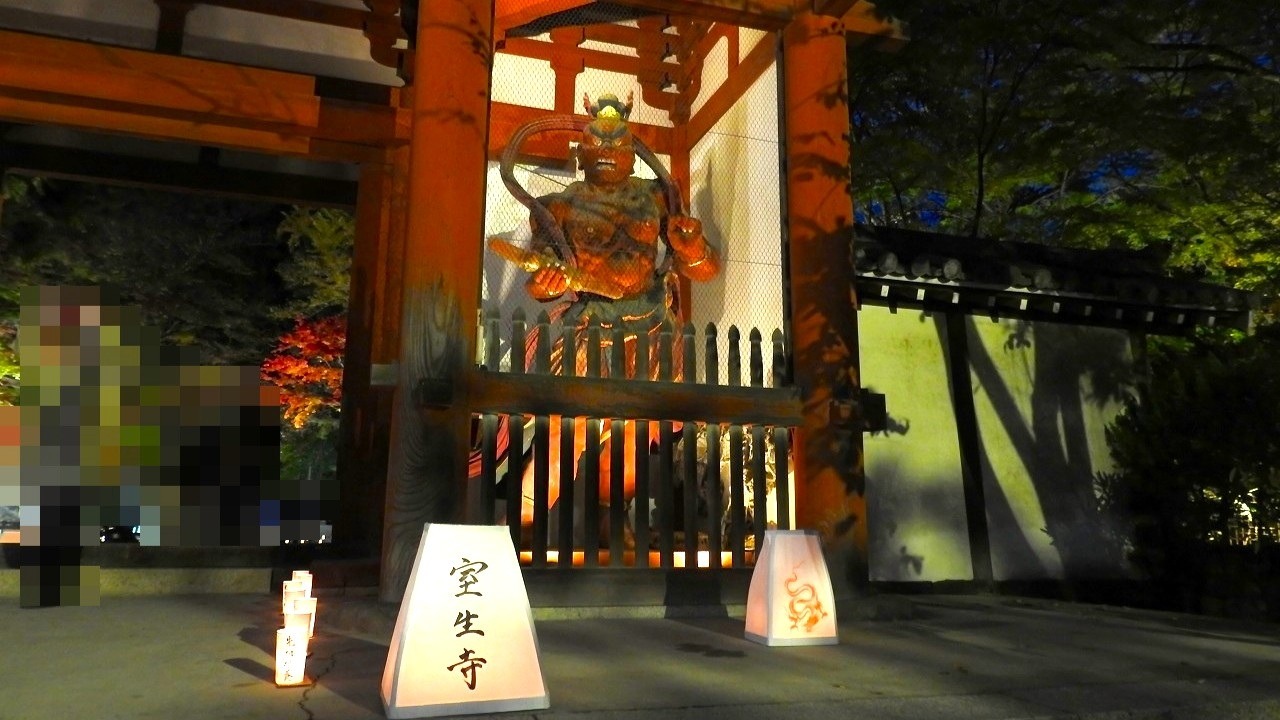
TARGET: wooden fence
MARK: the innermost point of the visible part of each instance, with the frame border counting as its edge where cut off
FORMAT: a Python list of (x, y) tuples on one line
[(669, 409)]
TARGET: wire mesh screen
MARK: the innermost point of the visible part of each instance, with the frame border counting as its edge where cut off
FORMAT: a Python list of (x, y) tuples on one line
[(703, 97)]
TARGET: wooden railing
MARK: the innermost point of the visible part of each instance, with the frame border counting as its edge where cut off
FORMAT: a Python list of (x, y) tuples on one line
[(748, 422)]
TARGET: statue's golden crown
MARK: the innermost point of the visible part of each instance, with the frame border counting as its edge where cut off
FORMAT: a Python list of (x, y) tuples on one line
[(608, 107)]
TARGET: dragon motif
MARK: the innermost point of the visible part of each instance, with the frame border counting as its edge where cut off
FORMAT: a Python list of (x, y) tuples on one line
[(805, 609)]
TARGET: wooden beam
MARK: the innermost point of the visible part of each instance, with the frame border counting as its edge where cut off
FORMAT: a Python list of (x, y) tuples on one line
[(763, 14), (514, 13), (598, 59), (740, 79), (132, 171), (602, 397), (305, 10), (49, 80)]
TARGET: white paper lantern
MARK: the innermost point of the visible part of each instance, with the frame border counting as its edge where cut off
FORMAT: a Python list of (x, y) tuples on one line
[(790, 601), (291, 656), (301, 614), (464, 640), (304, 577), (293, 590)]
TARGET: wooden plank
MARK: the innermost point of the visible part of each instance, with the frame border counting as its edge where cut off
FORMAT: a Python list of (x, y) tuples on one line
[(85, 165), (689, 461), (666, 444), (305, 10), (737, 499), (606, 397), (641, 500), (759, 486), (565, 512), (508, 14), (617, 491), (591, 460), (541, 484), (488, 467), (90, 55), (763, 14), (711, 363), (591, 494), (617, 456)]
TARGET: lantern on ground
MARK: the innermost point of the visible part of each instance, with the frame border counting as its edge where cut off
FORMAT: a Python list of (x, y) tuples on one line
[(291, 656), (790, 601)]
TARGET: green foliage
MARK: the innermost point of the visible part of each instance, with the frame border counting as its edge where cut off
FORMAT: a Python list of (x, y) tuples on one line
[(318, 270), (1198, 441), (201, 269), (1149, 123)]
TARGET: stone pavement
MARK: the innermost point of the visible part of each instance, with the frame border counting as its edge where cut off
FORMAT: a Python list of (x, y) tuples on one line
[(955, 657)]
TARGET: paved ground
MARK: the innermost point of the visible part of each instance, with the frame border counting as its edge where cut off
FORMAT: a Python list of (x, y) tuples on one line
[(963, 658)]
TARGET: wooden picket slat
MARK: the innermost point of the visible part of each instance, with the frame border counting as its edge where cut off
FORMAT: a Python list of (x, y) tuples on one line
[(711, 376), (568, 466), (541, 492), (747, 412), (666, 441), (782, 473), (689, 460), (641, 500), (515, 434), (759, 485), (565, 514), (617, 457), (488, 467), (737, 501)]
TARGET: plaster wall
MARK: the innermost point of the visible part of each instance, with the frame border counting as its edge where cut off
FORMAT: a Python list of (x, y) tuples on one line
[(916, 525), (1044, 394), (736, 181)]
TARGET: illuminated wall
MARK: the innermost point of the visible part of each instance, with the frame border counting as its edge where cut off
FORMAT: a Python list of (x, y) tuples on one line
[(915, 500), (1043, 395)]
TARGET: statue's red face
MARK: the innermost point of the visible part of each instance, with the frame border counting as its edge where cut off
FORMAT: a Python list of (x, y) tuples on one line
[(606, 160)]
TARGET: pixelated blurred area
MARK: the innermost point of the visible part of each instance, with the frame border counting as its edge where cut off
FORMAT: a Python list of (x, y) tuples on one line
[(118, 437)]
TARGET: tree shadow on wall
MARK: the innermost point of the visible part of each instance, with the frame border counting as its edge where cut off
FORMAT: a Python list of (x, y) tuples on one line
[(1053, 446)]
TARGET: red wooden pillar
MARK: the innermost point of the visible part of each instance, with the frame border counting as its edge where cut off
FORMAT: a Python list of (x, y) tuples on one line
[(441, 277), (828, 452)]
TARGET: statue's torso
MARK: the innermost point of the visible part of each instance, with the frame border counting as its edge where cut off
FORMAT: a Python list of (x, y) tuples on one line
[(613, 234)]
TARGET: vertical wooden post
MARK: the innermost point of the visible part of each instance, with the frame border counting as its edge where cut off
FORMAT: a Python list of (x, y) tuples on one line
[(364, 430), (828, 453), (427, 471)]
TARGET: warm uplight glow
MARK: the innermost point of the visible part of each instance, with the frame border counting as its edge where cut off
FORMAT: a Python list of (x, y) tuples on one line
[(464, 640), (291, 656), (790, 601), (629, 558)]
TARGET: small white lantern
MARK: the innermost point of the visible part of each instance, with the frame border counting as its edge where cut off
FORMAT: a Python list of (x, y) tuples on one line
[(291, 656), (304, 577), (301, 614), (790, 601), (293, 590)]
